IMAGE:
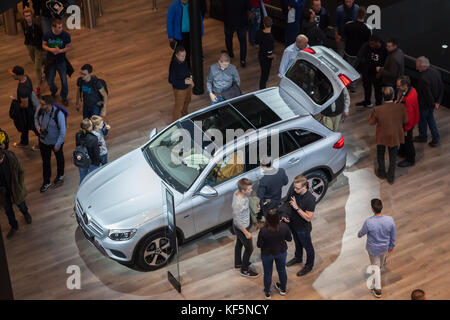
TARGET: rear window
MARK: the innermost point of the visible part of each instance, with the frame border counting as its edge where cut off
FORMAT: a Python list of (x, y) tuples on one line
[(311, 80), (256, 111)]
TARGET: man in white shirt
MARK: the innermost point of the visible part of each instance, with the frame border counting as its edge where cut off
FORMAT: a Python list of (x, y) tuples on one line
[(290, 53)]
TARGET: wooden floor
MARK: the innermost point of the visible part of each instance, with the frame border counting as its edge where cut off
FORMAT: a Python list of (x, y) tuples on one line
[(129, 49)]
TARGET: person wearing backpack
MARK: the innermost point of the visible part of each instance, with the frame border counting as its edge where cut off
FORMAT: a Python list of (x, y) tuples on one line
[(87, 152), (50, 121), (101, 130), (23, 107), (93, 92)]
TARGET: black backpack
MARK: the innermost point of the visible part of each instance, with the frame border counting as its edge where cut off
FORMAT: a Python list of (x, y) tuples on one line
[(81, 157), (58, 109)]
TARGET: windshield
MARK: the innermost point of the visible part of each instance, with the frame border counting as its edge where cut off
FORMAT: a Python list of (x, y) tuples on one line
[(175, 157)]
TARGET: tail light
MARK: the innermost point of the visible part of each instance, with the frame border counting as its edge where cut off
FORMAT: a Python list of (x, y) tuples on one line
[(309, 50), (345, 80), (339, 144)]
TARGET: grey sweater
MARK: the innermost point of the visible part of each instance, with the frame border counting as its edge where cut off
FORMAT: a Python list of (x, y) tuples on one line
[(394, 66), (241, 211)]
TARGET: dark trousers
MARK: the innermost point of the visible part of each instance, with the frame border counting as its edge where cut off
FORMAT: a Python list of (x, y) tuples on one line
[(370, 81), (407, 149), (89, 111), (9, 210), (24, 135), (427, 118), (265, 65), (292, 31), (242, 241), (242, 36), (61, 67), (280, 263), (392, 161), (46, 154), (303, 240), (186, 43)]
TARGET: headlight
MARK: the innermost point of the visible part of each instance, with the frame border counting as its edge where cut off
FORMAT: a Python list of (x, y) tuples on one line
[(121, 235)]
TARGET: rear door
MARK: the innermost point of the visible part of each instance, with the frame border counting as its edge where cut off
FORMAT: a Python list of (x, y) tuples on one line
[(315, 80)]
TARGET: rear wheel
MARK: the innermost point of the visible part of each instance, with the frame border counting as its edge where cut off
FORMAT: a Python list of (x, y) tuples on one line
[(154, 252), (317, 183)]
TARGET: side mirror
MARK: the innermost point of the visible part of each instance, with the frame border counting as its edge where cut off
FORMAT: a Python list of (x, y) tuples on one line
[(153, 133), (208, 192)]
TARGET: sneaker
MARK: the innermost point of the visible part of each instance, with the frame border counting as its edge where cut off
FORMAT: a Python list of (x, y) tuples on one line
[(35, 147), (433, 143), (28, 218), (20, 145), (369, 106), (58, 181), (243, 64), (303, 271), (45, 187), (419, 139), (278, 287), (292, 262), (391, 180), (249, 273), (11, 233), (267, 295), (376, 293)]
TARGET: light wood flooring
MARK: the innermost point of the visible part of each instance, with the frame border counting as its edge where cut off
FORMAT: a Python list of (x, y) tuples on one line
[(129, 48)]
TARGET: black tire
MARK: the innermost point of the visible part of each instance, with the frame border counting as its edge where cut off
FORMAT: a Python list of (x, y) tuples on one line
[(154, 252), (317, 183)]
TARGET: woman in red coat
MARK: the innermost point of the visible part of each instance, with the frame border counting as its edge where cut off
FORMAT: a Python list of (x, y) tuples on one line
[(408, 96)]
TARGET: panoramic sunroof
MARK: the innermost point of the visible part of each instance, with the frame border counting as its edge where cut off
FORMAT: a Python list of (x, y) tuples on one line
[(256, 111)]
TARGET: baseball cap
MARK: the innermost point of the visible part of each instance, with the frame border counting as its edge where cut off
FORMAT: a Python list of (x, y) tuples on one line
[(17, 70)]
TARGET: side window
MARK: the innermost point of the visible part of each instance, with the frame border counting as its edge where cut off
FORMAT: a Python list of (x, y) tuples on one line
[(289, 144), (231, 166), (304, 137)]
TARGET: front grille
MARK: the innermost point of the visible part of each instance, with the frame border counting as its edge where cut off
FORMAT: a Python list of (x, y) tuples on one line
[(92, 225)]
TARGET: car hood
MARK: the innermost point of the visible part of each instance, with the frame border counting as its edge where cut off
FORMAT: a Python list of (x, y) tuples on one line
[(125, 194)]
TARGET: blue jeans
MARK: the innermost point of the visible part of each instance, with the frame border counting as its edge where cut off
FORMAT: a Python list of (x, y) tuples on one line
[(85, 171), (89, 111), (303, 240), (219, 99), (280, 263), (427, 117), (292, 31), (254, 25), (62, 71)]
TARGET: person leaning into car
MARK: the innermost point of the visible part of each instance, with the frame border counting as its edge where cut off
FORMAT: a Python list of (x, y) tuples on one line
[(298, 211)]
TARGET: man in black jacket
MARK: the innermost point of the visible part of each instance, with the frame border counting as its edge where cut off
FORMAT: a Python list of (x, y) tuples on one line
[(371, 55), (235, 19), (430, 91), (321, 15), (298, 211), (394, 66)]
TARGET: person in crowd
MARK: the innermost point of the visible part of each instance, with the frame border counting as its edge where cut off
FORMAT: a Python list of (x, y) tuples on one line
[(221, 76), (270, 185), (12, 189), (43, 14), (298, 211), (92, 92), (235, 19), (51, 125), (293, 11), (57, 42), (32, 31), (394, 66), (206, 8), (101, 130), (22, 111), (389, 119), (418, 294), (321, 15), (430, 91), (241, 225), (182, 83), (86, 137), (272, 241), (4, 140), (290, 53), (356, 33), (310, 28), (254, 20), (381, 235), (266, 55), (371, 55), (345, 12), (332, 116), (178, 26), (408, 96)]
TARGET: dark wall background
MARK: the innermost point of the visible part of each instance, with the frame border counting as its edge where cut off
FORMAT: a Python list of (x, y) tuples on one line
[(6, 4)]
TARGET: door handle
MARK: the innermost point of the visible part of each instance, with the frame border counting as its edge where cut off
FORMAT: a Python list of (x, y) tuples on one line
[(187, 216), (293, 160)]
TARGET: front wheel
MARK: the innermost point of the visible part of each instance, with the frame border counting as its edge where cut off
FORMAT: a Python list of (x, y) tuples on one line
[(154, 252), (318, 184)]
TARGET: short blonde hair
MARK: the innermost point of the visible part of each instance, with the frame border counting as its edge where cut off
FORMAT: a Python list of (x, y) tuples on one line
[(300, 179), (96, 120)]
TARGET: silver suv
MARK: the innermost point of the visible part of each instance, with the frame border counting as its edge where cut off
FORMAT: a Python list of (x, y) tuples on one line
[(119, 207)]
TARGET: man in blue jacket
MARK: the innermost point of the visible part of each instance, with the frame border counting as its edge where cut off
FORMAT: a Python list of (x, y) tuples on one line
[(293, 10), (178, 26)]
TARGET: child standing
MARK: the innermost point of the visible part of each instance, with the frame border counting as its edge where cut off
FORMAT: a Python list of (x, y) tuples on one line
[(101, 130)]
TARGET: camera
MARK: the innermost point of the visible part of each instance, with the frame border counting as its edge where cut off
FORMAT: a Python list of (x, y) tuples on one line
[(43, 134)]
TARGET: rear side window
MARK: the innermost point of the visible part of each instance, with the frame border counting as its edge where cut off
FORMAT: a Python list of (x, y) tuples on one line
[(304, 137), (311, 80)]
